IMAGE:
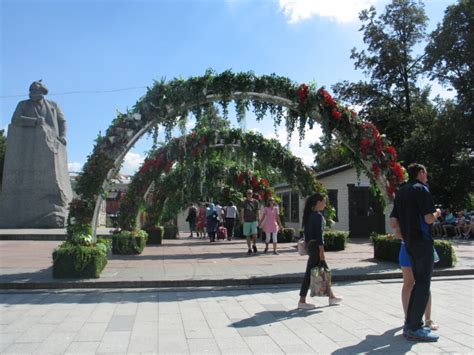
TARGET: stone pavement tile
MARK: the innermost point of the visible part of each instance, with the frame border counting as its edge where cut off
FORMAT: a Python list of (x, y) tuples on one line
[(69, 326), (36, 333), (82, 347), (172, 344), (126, 309), (232, 345), (217, 320), (21, 324), (6, 339), (170, 321), (203, 346), (102, 314), (147, 328), (147, 312), (9, 316), (114, 342), (21, 348), (91, 332), (263, 345), (143, 345), (198, 332), (120, 323), (54, 316), (56, 343)]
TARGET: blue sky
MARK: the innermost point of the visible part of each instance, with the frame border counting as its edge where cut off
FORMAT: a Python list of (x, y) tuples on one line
[(97, 57)]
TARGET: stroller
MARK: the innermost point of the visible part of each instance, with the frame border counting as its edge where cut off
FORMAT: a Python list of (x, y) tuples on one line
[(221, 232)]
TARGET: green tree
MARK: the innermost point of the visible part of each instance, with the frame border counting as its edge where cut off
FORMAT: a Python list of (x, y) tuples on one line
[(393, 69), (450, 52), (3, 144), (330, 155), (435, 135)]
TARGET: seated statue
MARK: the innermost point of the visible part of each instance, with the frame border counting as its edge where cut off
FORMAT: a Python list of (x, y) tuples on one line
[(36, 189)]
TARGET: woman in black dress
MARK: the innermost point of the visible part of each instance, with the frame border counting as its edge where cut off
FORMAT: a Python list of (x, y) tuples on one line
[(313, 224)]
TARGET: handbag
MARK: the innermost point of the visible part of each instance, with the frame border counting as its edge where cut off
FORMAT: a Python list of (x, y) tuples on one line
[(302, 247), (320, 281)]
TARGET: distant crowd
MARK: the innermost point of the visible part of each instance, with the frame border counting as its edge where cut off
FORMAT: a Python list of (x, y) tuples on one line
[(458, 225)]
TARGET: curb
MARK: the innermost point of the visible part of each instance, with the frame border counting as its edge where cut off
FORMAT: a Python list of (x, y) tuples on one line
[(254, 281)]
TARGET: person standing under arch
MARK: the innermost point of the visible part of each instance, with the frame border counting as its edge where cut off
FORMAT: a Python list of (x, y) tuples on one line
[(270, 223), (249, 215), (413, 213)]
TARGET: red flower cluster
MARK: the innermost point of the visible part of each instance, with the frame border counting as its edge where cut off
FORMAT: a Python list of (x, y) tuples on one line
[(376, 169), (303, 93), (327, 98), (392, 152), (336, 114), (398, 171)]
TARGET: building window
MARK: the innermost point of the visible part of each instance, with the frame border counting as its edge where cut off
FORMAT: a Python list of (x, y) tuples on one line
[(285, 205), (332, 194), (291, 206), (295, 207)]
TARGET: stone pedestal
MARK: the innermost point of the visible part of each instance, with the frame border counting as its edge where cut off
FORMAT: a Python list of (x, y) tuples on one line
[(36, 188)]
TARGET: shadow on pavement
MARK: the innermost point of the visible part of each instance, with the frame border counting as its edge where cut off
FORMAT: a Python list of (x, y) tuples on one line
[(386, 343), (267, 317)]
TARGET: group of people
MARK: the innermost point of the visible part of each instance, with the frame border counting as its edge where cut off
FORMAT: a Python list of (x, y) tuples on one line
[(412, 215), (460, 223), (208, 217), (412, 218)]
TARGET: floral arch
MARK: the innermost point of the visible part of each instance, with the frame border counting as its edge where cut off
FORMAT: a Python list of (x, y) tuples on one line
[(169, 103), (190, 149)]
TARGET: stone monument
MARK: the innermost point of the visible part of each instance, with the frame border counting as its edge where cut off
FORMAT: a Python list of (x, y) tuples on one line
[(36, 188)]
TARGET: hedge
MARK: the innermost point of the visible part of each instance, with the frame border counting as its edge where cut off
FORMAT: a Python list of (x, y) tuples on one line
[(129, 242), (387, 247), (155, 234), (170, 231), (286, 235), (335, 240), (72, 261)]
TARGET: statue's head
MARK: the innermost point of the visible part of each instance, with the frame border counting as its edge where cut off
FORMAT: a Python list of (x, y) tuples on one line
[(38, 90)]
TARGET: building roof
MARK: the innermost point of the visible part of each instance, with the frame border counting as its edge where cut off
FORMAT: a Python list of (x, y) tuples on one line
[(333, 171)]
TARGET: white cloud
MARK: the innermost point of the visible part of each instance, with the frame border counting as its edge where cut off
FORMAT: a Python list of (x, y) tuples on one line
[(343, 11), (131, 163), (74, 167), (303, 152)]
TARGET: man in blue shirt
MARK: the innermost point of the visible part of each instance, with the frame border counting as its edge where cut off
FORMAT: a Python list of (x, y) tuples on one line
[(413, 212)]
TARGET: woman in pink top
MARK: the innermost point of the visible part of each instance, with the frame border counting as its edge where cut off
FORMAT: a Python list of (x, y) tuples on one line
[(270, 223)]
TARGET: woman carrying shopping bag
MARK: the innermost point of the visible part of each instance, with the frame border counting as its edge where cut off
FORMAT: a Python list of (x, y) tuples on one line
[(313, 224)]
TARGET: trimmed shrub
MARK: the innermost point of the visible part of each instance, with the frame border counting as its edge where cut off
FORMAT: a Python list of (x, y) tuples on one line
[(73, 261), (387, 247), (129, 242), (170, 231), (286, 235), (155, 234), (335, 240)]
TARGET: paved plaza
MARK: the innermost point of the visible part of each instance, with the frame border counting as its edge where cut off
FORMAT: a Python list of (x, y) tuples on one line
[(189, 296), (196, 262), (248, 320)]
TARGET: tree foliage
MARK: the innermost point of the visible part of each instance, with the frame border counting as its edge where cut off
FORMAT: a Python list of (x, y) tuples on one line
[(439, 134), (450, 52)]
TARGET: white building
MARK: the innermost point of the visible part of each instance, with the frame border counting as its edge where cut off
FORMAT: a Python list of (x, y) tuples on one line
[(357, 209)]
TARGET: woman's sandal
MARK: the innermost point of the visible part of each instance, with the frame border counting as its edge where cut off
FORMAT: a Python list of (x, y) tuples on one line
[(431, 324)]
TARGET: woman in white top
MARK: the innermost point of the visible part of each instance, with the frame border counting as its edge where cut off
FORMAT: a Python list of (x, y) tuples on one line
[(230, 216)]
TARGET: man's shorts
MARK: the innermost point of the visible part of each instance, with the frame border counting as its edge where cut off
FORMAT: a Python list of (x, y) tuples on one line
[(250, 228), (403, 257)]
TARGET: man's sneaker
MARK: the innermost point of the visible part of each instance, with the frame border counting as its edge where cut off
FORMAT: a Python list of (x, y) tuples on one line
[(254, 248), (276, 253), (421, 334), (265, 250), (335, 300), (306, 306), (249, 252)]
